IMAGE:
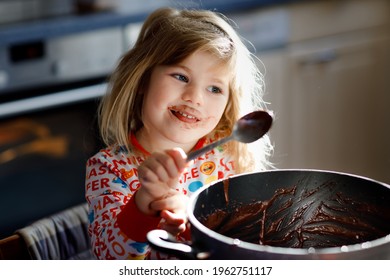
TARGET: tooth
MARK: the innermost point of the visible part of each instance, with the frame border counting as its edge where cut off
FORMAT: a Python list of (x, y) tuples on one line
[(187, 116)]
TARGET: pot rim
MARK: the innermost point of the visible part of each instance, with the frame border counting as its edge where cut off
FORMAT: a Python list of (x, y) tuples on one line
[(283, 250)]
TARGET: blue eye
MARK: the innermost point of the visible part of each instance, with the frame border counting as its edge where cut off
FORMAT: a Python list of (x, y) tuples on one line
[(181, 77), (214, 89)]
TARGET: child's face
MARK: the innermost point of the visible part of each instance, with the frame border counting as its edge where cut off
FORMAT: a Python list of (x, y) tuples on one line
[(184, 102)]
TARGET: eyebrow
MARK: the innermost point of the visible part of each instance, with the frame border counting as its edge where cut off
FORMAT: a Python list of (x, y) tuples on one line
[(181, 66), (216, 80)]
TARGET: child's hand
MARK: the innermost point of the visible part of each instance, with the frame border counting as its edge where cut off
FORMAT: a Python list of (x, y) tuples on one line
[(172, 210), (174, 223), (173, 213), (158, 176)]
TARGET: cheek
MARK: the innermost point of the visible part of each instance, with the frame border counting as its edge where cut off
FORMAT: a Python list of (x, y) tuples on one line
[(162, 93), (153, 100), (218, 108), (216, 112)]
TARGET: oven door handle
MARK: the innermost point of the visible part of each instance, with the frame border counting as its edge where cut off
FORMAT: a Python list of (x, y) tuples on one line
[(47, 101)]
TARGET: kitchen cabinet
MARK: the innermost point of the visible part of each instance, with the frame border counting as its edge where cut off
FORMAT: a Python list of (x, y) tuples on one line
[(267, 30), (337, 115), (329, 88)]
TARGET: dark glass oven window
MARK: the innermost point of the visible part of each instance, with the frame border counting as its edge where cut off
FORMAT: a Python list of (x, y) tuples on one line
[(42, 162)]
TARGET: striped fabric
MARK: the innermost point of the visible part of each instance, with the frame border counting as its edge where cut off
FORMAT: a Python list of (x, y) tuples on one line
[(63, 235)]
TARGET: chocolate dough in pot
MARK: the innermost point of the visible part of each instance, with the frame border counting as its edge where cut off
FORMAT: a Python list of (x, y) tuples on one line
[(319, 218)]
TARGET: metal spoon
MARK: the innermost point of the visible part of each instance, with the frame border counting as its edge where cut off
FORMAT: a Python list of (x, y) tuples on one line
[(249, 128)]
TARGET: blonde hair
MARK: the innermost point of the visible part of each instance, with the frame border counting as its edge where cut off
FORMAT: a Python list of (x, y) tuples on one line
[(167, 37)]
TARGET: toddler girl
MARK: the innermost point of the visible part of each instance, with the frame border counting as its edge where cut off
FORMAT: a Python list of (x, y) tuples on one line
[(183, 85)]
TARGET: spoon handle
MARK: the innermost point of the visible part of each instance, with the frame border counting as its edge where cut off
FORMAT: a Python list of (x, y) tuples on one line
[(195, 154)]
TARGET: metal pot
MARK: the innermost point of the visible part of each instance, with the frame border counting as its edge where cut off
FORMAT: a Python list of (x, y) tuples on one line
[(309, 214)]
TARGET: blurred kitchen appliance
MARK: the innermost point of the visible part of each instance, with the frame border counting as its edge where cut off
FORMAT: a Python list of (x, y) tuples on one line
[(42, 161), (53, 70), (58, 60)]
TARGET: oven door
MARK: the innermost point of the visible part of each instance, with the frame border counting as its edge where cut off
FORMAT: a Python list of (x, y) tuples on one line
[(45, 142)]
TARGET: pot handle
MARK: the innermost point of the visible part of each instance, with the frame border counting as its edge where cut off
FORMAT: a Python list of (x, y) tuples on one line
[(165, 242)]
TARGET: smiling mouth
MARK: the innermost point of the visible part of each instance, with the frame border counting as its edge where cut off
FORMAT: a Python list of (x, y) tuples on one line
[(185, 117)]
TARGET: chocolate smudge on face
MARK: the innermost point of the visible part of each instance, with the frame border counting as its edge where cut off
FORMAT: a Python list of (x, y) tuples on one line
[(317, 218)]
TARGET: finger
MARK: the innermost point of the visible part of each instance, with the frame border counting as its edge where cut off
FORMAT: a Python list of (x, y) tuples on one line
[(153, 169), (146, 175), (172, 218), (167, 168), (179, 157), (174, 229)]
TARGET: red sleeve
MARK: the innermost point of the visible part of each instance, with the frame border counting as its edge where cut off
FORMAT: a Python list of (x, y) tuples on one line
[(134, 223)]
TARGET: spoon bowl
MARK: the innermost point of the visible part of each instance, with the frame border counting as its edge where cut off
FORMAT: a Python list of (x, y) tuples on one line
[(247, 129)]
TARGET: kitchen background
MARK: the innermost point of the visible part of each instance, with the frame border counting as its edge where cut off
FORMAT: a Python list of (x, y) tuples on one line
[(326, 66)]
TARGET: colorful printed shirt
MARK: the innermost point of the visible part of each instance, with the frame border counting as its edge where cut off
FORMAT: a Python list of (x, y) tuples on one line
[(117, 228)]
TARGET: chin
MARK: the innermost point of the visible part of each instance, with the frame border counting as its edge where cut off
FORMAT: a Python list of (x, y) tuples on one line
[(186, 137)]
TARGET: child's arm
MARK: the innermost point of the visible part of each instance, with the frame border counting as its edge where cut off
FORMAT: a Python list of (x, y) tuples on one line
[(157, 194), (117, 226)]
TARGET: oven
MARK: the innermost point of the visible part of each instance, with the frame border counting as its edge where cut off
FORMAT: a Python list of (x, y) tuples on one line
[(42, 160), (53, 72)]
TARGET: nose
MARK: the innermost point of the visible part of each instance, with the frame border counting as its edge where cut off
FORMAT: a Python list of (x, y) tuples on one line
[(193, 94)]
